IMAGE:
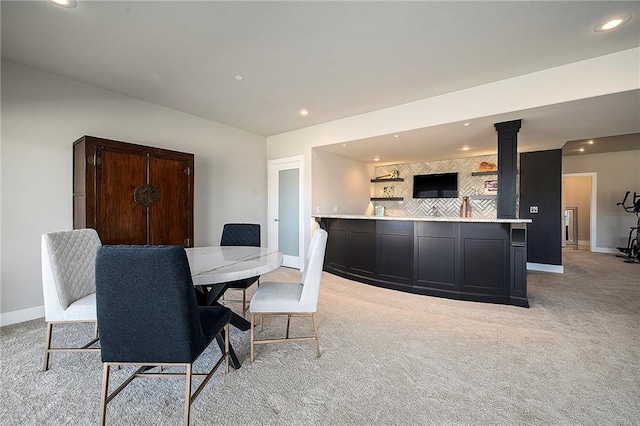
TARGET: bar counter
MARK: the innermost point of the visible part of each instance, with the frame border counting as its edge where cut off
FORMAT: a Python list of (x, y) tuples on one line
[(475, 259)]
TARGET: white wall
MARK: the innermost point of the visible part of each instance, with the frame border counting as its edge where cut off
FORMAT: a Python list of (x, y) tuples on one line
[(617, 172), (340, 182), (42, 115)]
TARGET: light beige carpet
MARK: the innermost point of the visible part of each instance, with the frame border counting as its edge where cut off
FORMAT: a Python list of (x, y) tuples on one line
[(573, 358)]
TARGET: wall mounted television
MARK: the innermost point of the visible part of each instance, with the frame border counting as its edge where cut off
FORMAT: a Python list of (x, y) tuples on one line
[(440, 185)]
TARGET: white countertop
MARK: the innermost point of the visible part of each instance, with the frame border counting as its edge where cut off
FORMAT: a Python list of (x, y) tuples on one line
[(422, 218)]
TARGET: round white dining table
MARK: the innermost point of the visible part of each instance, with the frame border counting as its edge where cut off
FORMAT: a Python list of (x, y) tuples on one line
[(223, 264), (214, 268)]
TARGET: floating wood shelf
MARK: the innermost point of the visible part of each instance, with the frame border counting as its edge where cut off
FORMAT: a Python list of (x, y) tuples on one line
[(387, 198), (495, 172), (484, 197), (388, 180)]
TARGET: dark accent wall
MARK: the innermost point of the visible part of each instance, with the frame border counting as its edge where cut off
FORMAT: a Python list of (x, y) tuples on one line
[(541, 186)]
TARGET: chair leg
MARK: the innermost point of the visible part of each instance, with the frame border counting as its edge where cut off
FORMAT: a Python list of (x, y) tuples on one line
[(47, 346), (187, 396), (288, 324), (315, 331), (244, 301), (226, 346), (95, 331), (105, 390), (252, 332)]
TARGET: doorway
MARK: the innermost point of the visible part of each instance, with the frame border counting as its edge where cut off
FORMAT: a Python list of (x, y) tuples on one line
[(285, 204), (579, 207)]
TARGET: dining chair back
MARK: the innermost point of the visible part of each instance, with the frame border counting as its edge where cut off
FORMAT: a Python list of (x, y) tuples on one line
[(68, 284), (241, 234), (292, 299), (312, 274), (148, 316)]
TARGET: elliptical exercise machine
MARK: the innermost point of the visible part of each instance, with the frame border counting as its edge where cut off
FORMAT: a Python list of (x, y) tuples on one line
[(632, 250)]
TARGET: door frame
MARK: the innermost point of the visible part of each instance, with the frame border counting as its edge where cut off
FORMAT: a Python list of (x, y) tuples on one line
[(593, 206), (274, 167)]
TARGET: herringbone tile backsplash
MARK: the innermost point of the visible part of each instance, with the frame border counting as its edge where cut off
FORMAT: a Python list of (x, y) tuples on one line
[(450, 207)]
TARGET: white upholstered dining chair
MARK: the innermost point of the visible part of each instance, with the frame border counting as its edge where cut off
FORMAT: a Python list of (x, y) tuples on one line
[(292, 299), (68, 283)]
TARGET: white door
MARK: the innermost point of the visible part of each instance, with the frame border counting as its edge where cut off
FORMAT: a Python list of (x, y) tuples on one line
[(285, 209)]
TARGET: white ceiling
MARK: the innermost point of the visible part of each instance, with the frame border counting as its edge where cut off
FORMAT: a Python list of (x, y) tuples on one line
[(542, 128), (338, 59)]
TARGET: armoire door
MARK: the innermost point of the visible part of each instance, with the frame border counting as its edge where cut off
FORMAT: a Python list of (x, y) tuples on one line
[(170, 217), (118, 174)]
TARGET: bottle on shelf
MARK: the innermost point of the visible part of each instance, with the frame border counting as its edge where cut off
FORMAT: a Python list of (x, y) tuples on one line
[(465, 207)]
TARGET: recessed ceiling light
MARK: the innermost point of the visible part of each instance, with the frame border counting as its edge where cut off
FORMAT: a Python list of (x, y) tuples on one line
[(65, 3), (344, 144), (590, 142), (465, 148), (239, 77), (396, 136), (467, 124), (612, 23), (303, 112), (377, 158), (581, 150)]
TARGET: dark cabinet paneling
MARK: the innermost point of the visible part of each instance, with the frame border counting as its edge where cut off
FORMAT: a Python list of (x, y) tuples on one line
[(483, 262), (133, 194), (436, 255), (337, 255), (395, 251), (363, 252), (518, 265), (485, 256), (351, 246)]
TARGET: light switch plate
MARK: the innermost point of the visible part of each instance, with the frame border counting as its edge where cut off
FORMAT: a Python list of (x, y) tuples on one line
[(533, 209)]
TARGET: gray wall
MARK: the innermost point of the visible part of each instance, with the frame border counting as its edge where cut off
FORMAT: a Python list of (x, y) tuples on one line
[(43, 114), (616, 173)]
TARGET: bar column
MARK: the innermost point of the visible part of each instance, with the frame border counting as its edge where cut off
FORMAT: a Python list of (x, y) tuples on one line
[(507, 167)]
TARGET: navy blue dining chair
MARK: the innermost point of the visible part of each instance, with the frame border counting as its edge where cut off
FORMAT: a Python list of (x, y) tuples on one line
[(241, 234), (148, 317)]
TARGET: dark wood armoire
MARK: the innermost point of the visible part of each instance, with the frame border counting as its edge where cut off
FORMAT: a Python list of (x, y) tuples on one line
[(133, 194)]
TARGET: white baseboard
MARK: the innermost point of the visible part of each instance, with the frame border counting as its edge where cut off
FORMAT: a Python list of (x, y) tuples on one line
[(543, 267), (291, 261), (23, 315), (606, 250)]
